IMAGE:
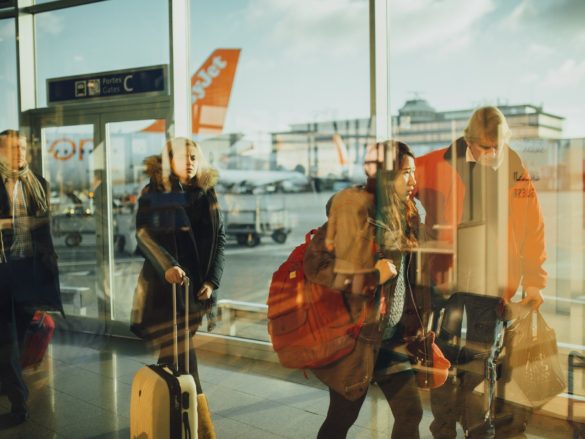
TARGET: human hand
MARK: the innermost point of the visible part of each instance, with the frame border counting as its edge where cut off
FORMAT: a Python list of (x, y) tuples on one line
[(205, 291), (533, 296), (175, 275), (387, 270)]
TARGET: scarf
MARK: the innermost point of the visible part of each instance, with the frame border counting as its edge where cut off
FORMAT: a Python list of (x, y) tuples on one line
[(32, 186)]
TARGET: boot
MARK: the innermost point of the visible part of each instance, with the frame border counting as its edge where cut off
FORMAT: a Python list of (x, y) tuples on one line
[(204, 426)]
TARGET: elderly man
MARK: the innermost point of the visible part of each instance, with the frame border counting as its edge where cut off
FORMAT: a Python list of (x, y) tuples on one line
[(28, 263), (480, 201)]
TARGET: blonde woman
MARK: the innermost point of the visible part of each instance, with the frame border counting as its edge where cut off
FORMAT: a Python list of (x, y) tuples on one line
[(180, 233)]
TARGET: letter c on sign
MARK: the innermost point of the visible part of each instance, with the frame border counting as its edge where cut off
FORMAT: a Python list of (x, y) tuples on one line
[(127, 85)]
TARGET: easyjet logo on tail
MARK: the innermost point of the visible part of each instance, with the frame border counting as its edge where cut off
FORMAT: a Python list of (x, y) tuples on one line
[(211, 87), (205, 78)]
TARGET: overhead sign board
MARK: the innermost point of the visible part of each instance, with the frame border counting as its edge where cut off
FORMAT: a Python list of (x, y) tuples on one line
[(121, 83)]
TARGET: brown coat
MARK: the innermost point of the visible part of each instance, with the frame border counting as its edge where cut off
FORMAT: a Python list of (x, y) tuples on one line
[(351, 375)]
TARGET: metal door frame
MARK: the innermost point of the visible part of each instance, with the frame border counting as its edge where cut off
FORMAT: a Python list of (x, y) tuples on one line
[(98, 114)]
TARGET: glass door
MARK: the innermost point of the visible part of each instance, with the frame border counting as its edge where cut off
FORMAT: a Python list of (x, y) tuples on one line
[(72, 162), (92, 157), (129, 143)]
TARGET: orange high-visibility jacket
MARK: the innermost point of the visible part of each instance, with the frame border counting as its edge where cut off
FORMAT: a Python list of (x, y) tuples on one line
[(443, 203)]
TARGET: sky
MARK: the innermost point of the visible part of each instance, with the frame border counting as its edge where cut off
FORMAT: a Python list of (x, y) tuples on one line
[(308, 60), (464, 53)]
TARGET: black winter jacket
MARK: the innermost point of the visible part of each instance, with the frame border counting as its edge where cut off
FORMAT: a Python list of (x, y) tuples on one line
[(183, 228), (47, 293)]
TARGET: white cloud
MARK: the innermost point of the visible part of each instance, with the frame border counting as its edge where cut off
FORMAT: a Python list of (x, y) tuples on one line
[(338, 26), (409, 7), (569, 74), (455, 44), (524, 11), (530, 78), (573, 126), (50, 23), (536, 49), (552, 19), (447, 24)]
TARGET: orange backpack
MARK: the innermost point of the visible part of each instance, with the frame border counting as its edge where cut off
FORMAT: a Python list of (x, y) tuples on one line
[(310, 325)]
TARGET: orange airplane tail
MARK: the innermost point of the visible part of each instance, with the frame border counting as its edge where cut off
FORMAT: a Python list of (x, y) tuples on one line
[(341, 150), (211, 87)]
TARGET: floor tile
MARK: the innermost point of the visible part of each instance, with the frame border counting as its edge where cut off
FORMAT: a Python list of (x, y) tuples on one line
[(230, 428), (82, 391), (28, 430)]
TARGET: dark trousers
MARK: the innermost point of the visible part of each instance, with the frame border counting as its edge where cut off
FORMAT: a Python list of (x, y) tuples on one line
[(166, 356), (402, 395), (455, 402), (15, 277)]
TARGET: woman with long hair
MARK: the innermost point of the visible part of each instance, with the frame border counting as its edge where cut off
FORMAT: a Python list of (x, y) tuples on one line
[(181, 234), (367, 252)]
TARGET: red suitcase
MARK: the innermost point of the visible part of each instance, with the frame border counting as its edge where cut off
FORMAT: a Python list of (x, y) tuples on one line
[(37, 339)]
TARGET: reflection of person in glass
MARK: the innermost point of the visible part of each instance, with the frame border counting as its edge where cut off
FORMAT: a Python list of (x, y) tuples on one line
[(494, 193), (345, 259), (180, 232), (29, 278)]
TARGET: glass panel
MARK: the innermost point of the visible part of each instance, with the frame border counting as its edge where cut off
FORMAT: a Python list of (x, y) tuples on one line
[(71, 41), (129, 144), (275, 139), (557, 170), (521, 60), (72, 167), (8, 76)]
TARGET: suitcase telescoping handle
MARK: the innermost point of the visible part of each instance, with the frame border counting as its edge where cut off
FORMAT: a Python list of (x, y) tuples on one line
[(175, 327)]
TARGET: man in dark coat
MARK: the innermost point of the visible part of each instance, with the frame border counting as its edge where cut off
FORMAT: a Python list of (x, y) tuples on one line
[(28, 263)]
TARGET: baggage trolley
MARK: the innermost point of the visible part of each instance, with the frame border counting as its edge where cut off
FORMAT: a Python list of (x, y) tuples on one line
[(250, 217)]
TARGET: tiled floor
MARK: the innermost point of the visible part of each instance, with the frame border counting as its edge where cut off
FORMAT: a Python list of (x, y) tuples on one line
[(82, 390)]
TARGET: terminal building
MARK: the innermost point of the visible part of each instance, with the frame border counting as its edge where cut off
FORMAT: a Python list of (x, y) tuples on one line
[(283, 97), (313, 145), (419, 124)]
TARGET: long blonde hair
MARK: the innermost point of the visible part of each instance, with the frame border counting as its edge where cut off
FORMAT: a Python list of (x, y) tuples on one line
[(171, 148)]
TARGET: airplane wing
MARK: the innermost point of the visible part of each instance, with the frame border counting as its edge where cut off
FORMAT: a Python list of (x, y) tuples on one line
[(229, 177)]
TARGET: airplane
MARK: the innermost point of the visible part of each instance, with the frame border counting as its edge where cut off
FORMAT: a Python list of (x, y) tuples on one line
[(70, 152), (256, 182), (351, 170), (72, 162), (74, 166), (211, 87)]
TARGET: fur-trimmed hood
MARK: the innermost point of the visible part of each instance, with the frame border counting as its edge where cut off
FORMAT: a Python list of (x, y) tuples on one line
[(207, 179)]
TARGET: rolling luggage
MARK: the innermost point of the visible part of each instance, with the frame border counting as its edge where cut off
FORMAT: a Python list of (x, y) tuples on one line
[(37, 339), (163, 402)]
